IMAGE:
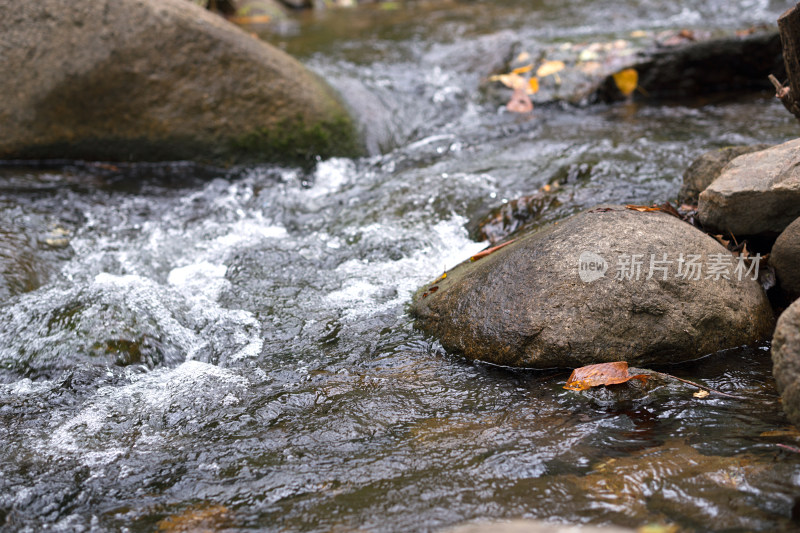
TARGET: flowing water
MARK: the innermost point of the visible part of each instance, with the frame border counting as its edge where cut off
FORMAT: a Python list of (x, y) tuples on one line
[(183, 346)]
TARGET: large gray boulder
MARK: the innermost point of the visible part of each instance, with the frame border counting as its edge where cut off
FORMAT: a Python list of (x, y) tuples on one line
[(551, 298), (785, 259), (756, 194), (154, 80), (786, 360), (707, 167)]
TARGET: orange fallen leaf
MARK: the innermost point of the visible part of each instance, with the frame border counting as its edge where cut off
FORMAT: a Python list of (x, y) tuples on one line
[(522, 70), (667, 208), (590, 376), (643, 208), (484, 253), (626, 80), (721, 240), (533, 85)]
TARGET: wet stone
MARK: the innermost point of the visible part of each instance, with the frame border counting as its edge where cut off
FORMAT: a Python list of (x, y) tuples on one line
[(570, 295), (785, 258)]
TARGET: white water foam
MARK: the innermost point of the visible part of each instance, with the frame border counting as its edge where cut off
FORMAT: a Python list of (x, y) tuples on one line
[(448, 245)]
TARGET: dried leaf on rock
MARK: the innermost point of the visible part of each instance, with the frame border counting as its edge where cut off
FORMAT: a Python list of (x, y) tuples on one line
[(513, 81), (549, 67), (642, 208), (522, 70), (533, 85), (723, 242), (590, 376), (667, 208)]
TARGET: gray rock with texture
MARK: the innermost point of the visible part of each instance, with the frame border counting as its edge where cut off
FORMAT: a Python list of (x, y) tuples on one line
[(785, 259), (707, 167), (526, 304), (154, 80), (756, 194), (786, 360)]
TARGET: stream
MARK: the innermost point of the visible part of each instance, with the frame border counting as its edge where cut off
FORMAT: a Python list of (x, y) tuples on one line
[(183, 345)]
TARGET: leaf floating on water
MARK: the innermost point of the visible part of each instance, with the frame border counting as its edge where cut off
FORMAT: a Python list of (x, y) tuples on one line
[(488, 251), (701, 394), (520, 101), (549, 68), (626, 80), (590, 376)]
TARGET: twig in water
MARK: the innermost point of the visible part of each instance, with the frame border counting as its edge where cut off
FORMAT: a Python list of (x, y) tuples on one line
[(790, 448), (703, 387)]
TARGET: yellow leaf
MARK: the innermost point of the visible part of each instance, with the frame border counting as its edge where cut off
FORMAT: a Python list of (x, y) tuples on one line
[(522, 57), (522, 70), (700, 394), (638, 34), (514, 81), (550, 67), (533, 86), (627, 80)]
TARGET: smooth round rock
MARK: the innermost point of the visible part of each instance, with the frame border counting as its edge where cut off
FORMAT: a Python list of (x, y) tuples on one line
[(786, 360), (785, 259), (552, 298), (156, 80)]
